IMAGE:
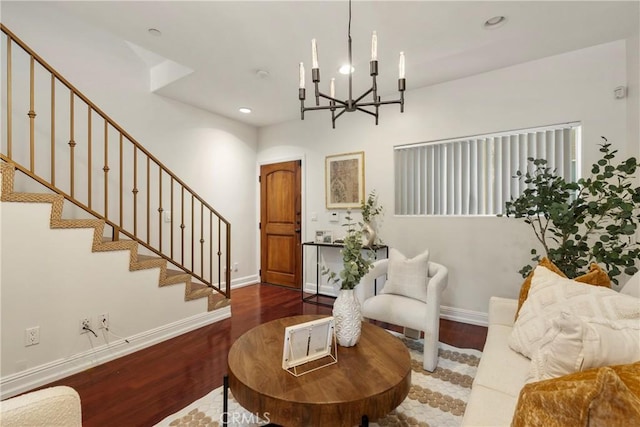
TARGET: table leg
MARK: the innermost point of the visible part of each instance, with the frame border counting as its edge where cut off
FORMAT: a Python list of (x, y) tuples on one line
[(225, 400)]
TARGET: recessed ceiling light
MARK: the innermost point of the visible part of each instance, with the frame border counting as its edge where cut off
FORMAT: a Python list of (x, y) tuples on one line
[(244, 110), (345, 69), (495, 22), (154, 32), (263, 74)]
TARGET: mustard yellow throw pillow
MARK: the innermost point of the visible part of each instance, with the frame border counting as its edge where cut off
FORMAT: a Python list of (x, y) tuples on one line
[(596, 277), (602, 397)]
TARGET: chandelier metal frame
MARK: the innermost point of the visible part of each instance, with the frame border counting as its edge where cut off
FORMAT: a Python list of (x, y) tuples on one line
[(350, 104)]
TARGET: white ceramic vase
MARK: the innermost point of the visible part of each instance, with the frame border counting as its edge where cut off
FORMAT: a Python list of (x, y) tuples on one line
[(347, 318), (368, 234)]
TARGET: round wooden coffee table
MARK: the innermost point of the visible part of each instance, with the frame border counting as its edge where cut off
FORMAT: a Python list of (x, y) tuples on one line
[(371, 378)]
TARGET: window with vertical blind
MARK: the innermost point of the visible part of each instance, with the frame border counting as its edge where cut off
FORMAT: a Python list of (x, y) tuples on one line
[(476, 175)]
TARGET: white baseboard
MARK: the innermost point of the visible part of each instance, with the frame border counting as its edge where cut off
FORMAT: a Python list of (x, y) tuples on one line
[(37, 376), (241, 282), (464, 316), (450, 313), (325, 289)]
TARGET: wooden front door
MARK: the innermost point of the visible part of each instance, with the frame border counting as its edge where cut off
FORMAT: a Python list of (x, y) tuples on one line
[(280, 223)]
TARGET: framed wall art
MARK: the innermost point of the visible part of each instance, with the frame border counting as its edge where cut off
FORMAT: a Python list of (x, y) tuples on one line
[(344, 180)]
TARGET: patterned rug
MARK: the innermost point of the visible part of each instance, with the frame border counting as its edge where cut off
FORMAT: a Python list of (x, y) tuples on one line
[(435, 399)]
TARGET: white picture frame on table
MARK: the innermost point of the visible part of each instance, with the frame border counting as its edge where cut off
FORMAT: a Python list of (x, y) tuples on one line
[(309, 346), (324, 236)]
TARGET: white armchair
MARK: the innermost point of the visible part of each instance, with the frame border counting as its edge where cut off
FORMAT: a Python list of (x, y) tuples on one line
[(412, 314)]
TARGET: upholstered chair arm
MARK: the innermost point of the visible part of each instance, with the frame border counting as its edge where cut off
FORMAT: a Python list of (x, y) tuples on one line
[(438, 275), (54, 406), (366, 287)]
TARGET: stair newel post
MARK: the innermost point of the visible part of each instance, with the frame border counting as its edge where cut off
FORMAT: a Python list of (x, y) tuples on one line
[(182, 225), (192, 231), (9, 99), (53, 129), (120, 192), (148, 192), (135, 190), (211, 249), (106, 169), (72, 145), (160, 210), (89, 156), (171, 225), (32, 115), (201, 239), (227, 285), (227, 272)]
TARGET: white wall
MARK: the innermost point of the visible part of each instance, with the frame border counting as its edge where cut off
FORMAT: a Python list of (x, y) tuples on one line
[(214, 155), (55, 280), (483, 253)]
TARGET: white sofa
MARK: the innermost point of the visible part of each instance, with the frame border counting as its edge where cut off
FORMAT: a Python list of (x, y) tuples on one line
[(54, 406), (503, 372)]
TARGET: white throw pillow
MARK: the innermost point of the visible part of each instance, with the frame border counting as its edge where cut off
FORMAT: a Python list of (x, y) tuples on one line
[(576, 343), (550, 294), (407, 277)]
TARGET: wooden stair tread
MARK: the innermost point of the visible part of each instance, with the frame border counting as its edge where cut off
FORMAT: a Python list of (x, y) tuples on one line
[(107, 239), (196, 293), (148, 258), (171, 272)]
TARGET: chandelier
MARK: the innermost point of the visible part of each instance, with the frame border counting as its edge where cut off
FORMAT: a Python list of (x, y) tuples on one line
[(337, 106)]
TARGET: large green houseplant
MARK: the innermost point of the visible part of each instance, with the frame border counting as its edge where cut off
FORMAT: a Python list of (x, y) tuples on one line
[(592, 220)]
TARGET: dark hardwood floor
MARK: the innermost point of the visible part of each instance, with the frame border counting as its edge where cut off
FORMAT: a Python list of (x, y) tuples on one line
[(143, 388)]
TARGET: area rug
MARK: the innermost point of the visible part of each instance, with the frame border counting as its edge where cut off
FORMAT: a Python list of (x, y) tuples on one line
[(435, 399)]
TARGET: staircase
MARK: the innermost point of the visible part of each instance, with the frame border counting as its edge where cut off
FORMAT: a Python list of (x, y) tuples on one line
[(97, 167), (168, 276)]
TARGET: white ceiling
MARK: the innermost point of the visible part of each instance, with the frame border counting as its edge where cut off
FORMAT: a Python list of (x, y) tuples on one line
[(227, 42)]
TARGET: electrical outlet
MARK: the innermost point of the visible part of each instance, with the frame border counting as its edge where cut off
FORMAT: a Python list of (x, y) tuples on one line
[(85, 322), (167, 216), (235, 266), (32, 336), (103, 320)]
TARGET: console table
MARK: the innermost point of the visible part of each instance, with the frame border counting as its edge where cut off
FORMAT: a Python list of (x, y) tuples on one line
[(313, 298), (370, 379)]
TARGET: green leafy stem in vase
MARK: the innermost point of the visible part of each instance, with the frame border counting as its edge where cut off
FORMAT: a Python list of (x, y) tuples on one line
[(356, 260), (370, 208)]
